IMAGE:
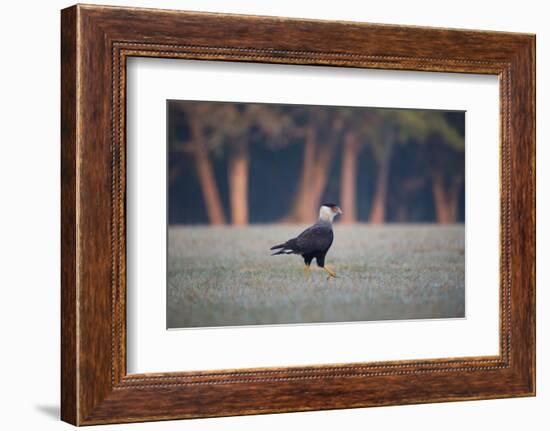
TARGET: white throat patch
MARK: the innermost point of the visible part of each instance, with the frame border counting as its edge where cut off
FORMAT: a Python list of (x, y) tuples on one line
[(326, 214)]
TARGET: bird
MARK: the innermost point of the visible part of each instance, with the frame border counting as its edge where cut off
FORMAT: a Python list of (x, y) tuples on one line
[(314, 242)]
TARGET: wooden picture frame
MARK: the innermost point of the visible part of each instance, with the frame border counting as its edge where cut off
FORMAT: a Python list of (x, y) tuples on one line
[(95, 43)]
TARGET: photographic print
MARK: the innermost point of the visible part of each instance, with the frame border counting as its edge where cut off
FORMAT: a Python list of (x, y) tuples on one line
[(295, 214)]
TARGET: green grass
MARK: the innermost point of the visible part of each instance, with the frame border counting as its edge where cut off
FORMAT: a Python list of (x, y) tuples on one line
[(224, 276)]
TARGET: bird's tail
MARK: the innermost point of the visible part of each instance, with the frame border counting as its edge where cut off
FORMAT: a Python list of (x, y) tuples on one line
[(285, 248)]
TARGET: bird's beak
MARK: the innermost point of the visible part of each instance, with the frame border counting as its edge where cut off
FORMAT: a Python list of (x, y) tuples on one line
[(339, 211)]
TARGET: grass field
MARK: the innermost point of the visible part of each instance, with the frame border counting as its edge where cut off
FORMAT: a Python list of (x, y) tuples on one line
[(224, 276)]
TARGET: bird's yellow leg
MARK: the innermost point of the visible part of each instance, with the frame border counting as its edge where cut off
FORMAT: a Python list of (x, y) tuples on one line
[(307, 271), (330, 272)]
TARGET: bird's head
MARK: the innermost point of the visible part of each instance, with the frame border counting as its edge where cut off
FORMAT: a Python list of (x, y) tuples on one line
[(328, 211)]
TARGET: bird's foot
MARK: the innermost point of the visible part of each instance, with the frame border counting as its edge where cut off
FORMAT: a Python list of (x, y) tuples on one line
[(307, 271), (330, 272)]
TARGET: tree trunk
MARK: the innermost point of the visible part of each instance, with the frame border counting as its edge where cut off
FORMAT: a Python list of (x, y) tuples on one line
[(320, 177), (207, 180), (301, 202), (348, 179), (453, 200), (445, 201), (238, 186), (378, 208), (315, 167)]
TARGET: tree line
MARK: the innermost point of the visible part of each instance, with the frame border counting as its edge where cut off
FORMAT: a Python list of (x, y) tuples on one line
[(203, 130)]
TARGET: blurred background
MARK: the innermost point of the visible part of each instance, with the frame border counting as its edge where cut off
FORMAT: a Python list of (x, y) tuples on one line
[(243, 163)]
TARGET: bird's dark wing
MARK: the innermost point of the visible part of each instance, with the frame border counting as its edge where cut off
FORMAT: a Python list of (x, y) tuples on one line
[(315, 238)]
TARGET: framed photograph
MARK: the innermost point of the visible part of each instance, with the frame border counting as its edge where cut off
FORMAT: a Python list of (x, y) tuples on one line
[(264, 214)]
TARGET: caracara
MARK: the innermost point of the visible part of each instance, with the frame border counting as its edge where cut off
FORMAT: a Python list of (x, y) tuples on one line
[(314, 242)]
